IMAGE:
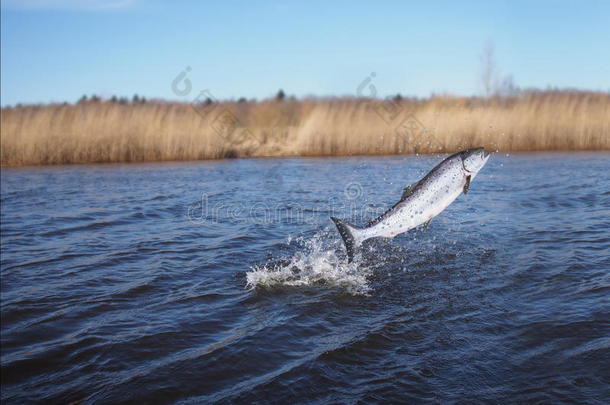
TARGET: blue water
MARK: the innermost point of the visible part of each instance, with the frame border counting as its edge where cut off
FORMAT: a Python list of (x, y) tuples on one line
[(225, 282)]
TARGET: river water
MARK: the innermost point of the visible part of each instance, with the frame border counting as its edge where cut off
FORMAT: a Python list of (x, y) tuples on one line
[(225, 282)]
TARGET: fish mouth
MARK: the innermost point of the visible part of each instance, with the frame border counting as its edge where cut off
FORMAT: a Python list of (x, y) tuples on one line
[(478, 154)]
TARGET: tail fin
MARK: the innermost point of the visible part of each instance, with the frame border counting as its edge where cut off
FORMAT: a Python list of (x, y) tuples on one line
[(347, 232)]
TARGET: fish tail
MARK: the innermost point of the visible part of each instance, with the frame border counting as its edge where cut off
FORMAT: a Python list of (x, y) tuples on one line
[(350, 234)]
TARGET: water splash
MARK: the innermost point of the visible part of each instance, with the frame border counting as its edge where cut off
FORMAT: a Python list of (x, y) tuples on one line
[(315, 263)]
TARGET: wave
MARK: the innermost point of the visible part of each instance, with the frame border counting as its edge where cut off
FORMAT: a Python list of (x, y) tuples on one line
[(315, 263)]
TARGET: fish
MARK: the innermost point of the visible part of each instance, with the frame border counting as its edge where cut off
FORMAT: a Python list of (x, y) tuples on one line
[(420, 202)]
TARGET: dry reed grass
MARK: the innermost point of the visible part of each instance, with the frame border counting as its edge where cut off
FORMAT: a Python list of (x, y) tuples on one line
[(103, 131)]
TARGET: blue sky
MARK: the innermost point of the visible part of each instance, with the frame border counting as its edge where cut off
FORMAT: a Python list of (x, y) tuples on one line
[(57, 50)]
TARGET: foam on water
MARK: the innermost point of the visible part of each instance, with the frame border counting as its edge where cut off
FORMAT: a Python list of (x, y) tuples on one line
[(315, 263)]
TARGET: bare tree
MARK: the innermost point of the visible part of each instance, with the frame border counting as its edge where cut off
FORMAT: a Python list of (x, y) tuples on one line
[(488, 69), (493, 82)]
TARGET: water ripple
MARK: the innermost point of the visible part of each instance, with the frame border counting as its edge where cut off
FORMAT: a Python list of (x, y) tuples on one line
[(112, 294)]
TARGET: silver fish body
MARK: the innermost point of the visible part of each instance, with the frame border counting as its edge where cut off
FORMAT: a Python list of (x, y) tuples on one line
[(420, 202)]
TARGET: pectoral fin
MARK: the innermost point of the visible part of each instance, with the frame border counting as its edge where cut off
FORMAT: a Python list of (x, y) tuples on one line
[(427, 224), (467, 185)]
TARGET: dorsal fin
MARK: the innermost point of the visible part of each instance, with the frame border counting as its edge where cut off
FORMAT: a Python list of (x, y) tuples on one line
[(405, 194), (408, 191)]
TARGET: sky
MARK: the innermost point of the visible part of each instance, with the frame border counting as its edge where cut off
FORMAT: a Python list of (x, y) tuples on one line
[(58, 50)]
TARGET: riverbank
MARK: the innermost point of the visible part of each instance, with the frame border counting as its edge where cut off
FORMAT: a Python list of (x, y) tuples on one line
[(118, 131)]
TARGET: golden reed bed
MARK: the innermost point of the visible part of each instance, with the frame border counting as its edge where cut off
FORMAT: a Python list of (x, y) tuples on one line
[(104, 131)]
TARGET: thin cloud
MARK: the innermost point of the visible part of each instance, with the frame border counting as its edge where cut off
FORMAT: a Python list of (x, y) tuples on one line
[(66, 4)]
